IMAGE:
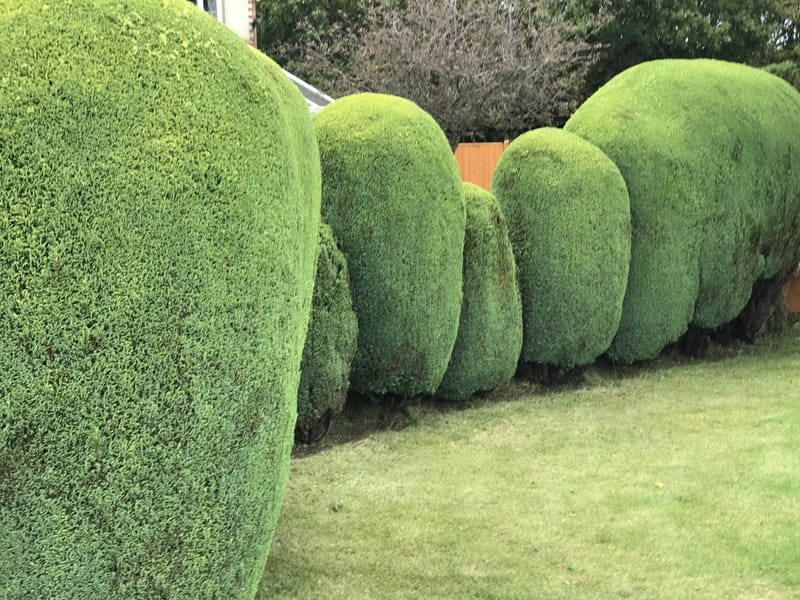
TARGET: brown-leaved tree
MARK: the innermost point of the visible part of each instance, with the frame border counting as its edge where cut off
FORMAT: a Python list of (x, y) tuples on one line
[(485, 69)]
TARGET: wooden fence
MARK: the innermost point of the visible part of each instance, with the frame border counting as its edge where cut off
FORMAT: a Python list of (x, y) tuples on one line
[(792, 294), (478, 160)]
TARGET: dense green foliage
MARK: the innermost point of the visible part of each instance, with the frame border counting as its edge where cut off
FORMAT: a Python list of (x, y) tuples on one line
[(159, 193), (708, 150), (391, 192), (787, 70), (749, 31), (330, 343), (489, 337), (569, 221), (285, 26)]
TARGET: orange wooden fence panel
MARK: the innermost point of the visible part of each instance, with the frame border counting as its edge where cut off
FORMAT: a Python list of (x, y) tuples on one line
[(792, 294), (478, 160)]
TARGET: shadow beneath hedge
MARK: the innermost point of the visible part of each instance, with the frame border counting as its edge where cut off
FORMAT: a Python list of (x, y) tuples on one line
[(365, 415)]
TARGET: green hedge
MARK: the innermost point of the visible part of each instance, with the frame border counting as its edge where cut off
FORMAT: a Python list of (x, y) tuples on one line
[(709, 152), (391, 192), (159, 193), (787, 70), (569, 223), (490, 331), (330, 343)]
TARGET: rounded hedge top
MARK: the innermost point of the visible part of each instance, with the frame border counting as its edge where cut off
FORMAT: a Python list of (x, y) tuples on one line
[(159, 191), (708, 150), (569, 222), (330, 343), (490, 332), (392, 195)]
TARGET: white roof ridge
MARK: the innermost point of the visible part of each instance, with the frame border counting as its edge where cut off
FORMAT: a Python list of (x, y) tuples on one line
[(314, 98)]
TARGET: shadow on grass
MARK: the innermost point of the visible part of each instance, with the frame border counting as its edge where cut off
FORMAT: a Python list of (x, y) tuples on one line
[(365, 415)]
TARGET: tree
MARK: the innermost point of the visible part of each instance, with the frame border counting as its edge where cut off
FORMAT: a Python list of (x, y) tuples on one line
[(485, 69), (747, 31), (284, 26)]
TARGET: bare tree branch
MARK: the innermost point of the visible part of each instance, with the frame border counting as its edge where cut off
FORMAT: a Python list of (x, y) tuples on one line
[(482, 68)]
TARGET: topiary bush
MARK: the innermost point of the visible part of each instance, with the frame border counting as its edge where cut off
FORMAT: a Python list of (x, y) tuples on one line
[(330, 344), (788, 70), (569, 223), (391, 192), (159, 193), (489, 337), (709, 153)]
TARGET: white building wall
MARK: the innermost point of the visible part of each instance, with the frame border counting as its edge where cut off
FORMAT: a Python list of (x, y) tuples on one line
[(237, 14), (240, 16)]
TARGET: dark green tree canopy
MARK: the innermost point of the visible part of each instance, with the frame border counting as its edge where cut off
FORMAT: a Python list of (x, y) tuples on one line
[(749, 31), (787, 70), (488, 69), (286, 26)]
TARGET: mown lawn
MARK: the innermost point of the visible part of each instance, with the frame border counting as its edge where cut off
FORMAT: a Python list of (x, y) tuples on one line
[(680, 479)]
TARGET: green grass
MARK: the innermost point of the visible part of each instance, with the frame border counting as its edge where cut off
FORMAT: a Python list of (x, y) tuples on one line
[(680, 479)]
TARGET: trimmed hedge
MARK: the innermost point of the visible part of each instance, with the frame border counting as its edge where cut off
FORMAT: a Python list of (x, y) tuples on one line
[(569, 223), (490, 331), (391, 192), (330, 344), (708, 150), (159, 193), (788, 70)]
